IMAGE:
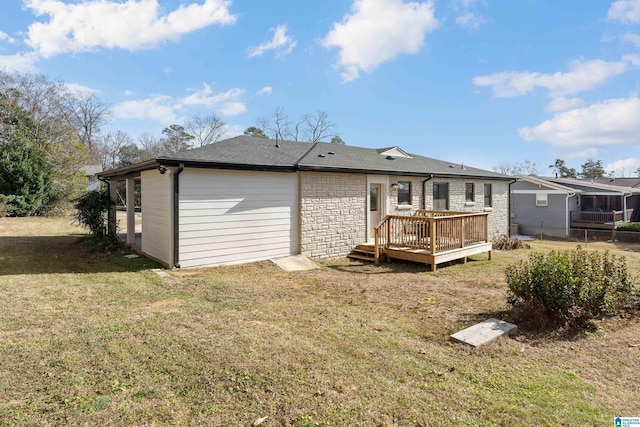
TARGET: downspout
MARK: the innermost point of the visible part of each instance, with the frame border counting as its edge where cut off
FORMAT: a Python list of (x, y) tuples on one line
[(424, 193), (176, 212), (111, 220), (509, 207)]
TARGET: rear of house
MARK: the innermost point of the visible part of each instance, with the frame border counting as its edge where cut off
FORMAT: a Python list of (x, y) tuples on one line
[(249, 199)]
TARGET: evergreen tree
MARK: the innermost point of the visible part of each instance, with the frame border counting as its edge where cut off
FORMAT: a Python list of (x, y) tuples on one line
[(26, 177), (592, 169)]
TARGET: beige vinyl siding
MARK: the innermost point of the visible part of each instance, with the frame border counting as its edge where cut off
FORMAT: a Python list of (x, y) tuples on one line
[(231, 217), (156, 211)]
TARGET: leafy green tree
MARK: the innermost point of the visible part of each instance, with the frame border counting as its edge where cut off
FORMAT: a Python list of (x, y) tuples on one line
[(337, 140), (592, 169), (176, 138), (254, 131), (41, 111), (128, 155), (638, 172), (26, 176), (562, 170)]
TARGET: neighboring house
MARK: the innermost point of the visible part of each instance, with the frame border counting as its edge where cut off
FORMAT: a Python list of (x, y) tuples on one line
[(248, 199), (554, 206), (621, 182), (91, 172)]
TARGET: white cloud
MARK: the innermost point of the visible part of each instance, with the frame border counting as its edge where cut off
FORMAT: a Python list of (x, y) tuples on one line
[(157, 107), (168, 109), (80, 89), (129, 92), (6, 37), (131, 25), (207, 98), (232, 109), (281, 43), (582, 154), (167, 70), (470, 20), (625, 11), (612, 122), (267, 90), (563, 104), (468, 15), (583, 75), (377, 31), (631, 38), (22, 63), (623, 167)]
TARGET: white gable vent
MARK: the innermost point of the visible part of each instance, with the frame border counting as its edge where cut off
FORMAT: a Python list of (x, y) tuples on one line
[(542, 199)]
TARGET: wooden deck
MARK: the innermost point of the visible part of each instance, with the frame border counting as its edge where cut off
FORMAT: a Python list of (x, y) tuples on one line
[(432, 237), (598, 220)]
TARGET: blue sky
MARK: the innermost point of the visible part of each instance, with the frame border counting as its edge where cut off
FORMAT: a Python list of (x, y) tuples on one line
[(479, 82)]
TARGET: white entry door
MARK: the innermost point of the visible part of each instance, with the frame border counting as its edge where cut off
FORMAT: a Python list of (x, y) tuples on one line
[(375, 207)]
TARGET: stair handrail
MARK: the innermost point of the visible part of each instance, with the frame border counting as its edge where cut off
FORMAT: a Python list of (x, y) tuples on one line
[(380, 238)]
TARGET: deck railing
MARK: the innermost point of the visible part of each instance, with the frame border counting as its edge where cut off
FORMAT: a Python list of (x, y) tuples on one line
[(611, 218), (432, 231)]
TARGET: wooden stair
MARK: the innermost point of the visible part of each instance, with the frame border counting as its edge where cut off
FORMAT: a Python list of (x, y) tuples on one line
[(363, 253)]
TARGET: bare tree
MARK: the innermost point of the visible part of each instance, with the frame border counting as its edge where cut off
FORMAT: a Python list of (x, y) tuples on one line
[(89, 115), (47, 101), (309, 128), (504, 168), (318, 126), (205, 130), (527, 167), (110, 148), (152, 147)]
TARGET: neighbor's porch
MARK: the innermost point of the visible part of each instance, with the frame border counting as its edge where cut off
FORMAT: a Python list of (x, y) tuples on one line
[(601, 211), (430, 237), (599, 220)]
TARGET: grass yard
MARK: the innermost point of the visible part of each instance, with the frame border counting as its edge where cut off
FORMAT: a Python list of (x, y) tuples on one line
[(93, 340)]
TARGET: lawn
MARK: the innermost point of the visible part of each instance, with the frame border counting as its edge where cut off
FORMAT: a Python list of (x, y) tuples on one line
[(87, 339)]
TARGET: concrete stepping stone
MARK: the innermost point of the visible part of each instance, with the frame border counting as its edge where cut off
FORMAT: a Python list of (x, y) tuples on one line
[(484, 332)]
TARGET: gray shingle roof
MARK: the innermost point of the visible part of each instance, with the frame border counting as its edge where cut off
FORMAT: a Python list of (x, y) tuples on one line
[(247, 152), (591, 186)]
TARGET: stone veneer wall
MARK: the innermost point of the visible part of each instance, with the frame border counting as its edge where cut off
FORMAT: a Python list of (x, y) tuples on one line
[(332, 213), (498, 212)]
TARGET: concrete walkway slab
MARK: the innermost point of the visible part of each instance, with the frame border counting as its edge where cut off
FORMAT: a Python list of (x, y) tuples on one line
[(484, 332), (295, 263)]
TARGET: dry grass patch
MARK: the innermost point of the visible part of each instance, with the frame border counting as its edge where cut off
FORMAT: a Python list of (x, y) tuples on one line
[(108, 342)]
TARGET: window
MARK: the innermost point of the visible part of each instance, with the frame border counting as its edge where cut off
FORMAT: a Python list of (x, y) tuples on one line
[(469, 192), (374, 206), (542, 199), (404, 193), (488, 202), (440, 196)]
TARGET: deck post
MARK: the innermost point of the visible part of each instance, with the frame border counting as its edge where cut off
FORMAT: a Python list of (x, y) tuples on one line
[(376, 247), (462, 233), (486, 228), (432, 237)]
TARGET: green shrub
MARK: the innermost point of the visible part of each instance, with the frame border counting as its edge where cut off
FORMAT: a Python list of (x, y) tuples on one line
[(629, 226), (92, 211), (569, 288)]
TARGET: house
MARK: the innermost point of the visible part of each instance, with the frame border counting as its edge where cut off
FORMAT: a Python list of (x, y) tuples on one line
[(248, 199), (555, 206), (91, 172)]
